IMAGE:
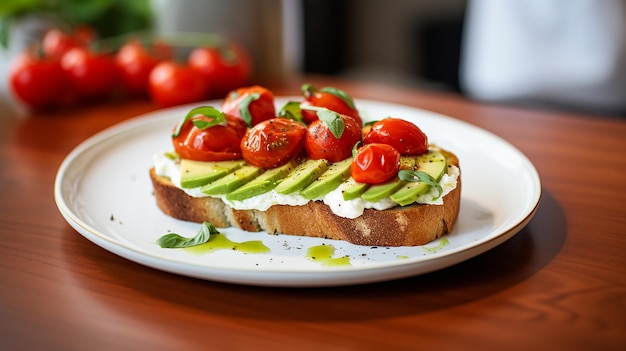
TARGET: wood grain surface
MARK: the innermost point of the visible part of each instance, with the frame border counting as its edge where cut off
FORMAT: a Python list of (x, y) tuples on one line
[(559, 284)]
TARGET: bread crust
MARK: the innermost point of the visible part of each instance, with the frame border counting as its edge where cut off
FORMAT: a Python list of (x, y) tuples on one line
[(411, 225)]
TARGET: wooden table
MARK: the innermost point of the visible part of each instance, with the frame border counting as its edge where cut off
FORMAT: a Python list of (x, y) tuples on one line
[(559, 284)]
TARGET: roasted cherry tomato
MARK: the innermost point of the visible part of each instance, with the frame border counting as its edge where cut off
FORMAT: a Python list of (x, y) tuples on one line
[(273, 142), (253, 104), (57, 42), (92, 74), (403, 135), (216, 143), (375, 163), (38, 82), (135, 60), (321, 143), (226, 67), (331, 98), (171, 83)]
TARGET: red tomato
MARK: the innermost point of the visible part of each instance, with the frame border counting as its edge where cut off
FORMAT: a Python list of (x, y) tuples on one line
[(92, 74), (225, 68), (273, 142), (320, 143), (403, 135), (40, 83), (172, 84), (331, 98), (375, 163), (57, 42), (135, 62), (252, 104), (217, 143)]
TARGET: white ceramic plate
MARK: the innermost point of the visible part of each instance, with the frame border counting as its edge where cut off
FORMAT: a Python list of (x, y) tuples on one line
[(103, 191)]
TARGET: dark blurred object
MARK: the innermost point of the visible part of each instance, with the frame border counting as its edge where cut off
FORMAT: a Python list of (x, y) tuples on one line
[(325, 35)]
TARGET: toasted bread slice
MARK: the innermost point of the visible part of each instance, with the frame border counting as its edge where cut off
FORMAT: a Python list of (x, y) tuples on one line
[(411, 225)]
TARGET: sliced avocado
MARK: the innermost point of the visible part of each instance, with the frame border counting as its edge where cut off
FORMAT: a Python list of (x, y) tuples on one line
[(198, 173), (336, 173), (303, 175), (263, 183), (232, 181), (353, 189), (433, 163), (380, 191)]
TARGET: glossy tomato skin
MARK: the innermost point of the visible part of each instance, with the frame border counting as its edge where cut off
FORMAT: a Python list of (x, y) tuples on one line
[(135, 61), (273, 142), (327, 100), (403, 135), (40, 83), (224, 68), (57, 42), (171, 84), (320, 143), (217, 143), (92, 74), (260, 109), (375, 163)]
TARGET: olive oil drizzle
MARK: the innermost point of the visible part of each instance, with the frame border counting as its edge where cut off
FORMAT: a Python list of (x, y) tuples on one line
[(324, 255), (221, 242)]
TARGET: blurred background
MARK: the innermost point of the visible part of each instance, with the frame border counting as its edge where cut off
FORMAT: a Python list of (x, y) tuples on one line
[(570, 54)]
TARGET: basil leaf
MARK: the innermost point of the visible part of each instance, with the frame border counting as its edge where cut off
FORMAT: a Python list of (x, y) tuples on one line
[(291, 111), (417, 176), (307, 90), (355, 148), (244, 108), (217, 118), (333, 120), (175, 241), (340, 94)]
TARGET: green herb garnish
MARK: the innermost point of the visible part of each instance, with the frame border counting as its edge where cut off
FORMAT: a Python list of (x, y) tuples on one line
[(417, 176), (174, 241), (291, 111), (217, 118), (244, 108)]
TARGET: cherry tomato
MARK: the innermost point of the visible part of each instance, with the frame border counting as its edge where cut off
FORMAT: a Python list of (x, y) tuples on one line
[(217, 143), (225, 68), (38, 82), (171, 83), (405, 136), (331, 98), (57, 42), (135, 61), (375, 163), (273, 142), (321, 143), (252, 104), (92, 74)]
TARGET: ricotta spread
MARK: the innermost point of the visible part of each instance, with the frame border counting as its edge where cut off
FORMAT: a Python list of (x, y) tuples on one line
[(168, 167)]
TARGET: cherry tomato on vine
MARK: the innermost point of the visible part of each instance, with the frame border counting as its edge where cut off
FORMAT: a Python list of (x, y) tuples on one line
[(93, 74), (225, 68), (135, 60), (38, 82), (273, 142), (375, 163), (216, 143), (171, 84), (403, 135), (328, 97), (57, 42), (321, 141), (252, 104)]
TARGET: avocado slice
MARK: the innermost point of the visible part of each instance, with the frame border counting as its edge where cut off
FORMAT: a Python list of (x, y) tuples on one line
[(267, 181), (198, 173), (336, 173), (232, 181), (377, 192), (303, 175), (433, 163), (353, 189)]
